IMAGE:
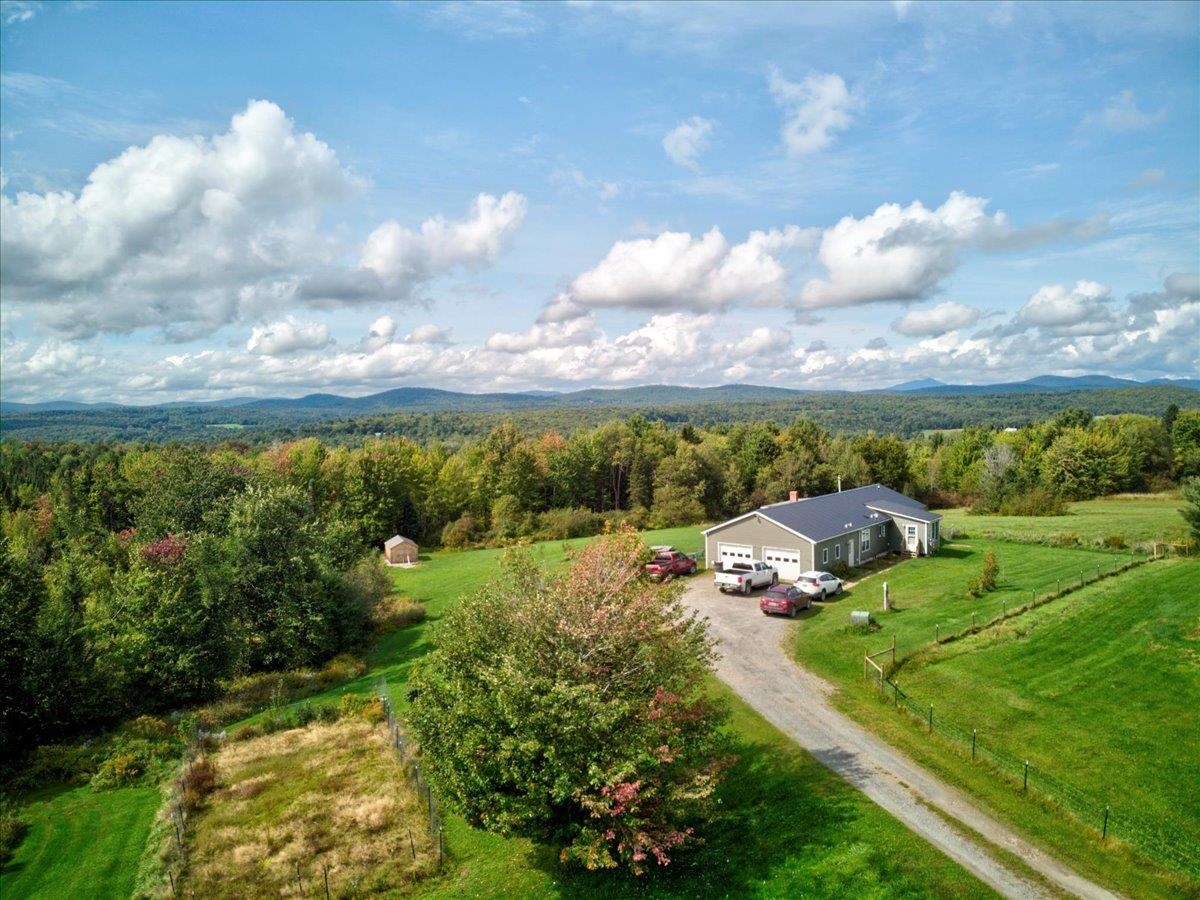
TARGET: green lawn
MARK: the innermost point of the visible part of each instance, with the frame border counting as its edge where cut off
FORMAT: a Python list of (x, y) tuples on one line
[(81, 843), (790, 827), (1139, 518), (1099, 688)]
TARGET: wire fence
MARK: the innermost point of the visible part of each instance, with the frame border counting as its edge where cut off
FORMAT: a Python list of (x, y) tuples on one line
[(412, 770), (991, 613), (1168, 840)]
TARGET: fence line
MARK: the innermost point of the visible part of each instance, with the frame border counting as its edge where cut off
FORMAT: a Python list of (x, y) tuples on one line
[(1158, 839), (412, 769)]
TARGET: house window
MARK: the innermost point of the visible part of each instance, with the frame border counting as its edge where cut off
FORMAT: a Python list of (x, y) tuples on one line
[(864, 539), (824, 556), (837, 551), (933, 531), (882, 531)]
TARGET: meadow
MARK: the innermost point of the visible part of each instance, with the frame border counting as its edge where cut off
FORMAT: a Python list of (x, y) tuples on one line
[(1138, 519), (1097, 689)]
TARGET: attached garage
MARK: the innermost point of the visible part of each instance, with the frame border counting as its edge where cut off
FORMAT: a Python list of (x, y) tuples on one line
[(787, 562), (849, 527), (734, 553)]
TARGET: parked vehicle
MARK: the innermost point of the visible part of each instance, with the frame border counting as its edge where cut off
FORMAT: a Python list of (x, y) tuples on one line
[(819, 584), (746, 576), (668, 562), (786, 599)]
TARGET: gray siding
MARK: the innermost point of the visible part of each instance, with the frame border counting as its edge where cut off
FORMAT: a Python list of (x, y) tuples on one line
[(757, 532)]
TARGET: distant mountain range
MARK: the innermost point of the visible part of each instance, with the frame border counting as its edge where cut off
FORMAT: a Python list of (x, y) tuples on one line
[(420, 399)]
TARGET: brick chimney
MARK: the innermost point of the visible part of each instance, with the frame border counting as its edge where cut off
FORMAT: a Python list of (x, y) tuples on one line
[(793, 496)]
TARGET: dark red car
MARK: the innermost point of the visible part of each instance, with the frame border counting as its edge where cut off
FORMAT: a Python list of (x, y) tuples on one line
[(785, 599), (667, 563)]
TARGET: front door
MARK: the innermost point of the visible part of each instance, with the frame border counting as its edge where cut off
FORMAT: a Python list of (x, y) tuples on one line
[(911, 538)]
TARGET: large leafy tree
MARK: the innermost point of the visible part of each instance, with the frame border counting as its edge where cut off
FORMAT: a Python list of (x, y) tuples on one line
[(570, 709)]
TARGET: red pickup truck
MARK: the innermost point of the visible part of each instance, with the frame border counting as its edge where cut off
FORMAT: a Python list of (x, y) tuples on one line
[(667, 563)]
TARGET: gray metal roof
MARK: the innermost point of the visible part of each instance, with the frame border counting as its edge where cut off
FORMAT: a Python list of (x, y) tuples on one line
[(827, 516)]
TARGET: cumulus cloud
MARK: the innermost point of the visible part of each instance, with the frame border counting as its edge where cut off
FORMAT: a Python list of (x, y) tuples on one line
[(676, 270), (814, 110), (685, 142), (189, 234), (944, 317), (1082, 310), (902, 253), (1122, 114), (401, 257), (572, 332), (428, 334), (288, 336)]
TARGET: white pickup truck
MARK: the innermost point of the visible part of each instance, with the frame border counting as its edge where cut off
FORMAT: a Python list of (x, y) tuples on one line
[(745, 577)]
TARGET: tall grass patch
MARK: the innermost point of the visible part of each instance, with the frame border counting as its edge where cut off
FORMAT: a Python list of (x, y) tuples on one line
[(289, 807)]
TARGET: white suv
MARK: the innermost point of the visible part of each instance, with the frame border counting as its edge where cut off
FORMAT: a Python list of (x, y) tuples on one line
[(819, 584)]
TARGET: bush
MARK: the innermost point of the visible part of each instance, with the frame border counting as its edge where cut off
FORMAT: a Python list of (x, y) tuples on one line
[(61, 762), (246, 733), (1035, 502), (1064, 539), (393, 613), (1114, 541), (199, 779), (985, 581), (118, 771), (12, 829), (459, 533), (563, 524)]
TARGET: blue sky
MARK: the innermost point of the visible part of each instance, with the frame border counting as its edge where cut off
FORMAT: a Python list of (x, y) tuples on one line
[(222, 200)]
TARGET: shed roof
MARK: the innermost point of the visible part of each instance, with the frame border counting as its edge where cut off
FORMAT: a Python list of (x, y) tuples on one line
[(396, 541), (830, 515)]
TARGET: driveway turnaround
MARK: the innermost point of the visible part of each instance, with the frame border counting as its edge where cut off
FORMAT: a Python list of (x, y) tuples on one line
[(754, 663)]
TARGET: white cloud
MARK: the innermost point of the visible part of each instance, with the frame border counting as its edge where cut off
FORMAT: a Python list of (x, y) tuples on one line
[(14, 12), (402, 258), (1082, 310), (288, 336), (813, 110), (572, 332), (675, 270), (428, 334), (948, 316), (1122, 114), (485, 19), (685, 142), (898, 253), (190, 234)]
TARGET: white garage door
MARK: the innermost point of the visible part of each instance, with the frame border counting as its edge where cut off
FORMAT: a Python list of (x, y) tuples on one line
[(734, 553), (786, 561)]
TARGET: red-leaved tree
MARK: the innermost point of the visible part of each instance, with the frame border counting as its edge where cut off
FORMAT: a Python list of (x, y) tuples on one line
[(570, 708)]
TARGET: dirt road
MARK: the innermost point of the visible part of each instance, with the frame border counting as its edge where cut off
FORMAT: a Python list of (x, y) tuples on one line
[(754, 663)]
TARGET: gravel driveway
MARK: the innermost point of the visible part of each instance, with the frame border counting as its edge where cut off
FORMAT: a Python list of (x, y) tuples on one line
[(755, 665)]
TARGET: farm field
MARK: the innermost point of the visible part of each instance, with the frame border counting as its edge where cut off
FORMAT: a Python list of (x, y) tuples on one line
[(790, 826), (1138, 518), (81, 843), (1097, 688)]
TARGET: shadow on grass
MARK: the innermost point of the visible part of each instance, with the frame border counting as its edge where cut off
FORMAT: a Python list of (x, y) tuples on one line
[(780, 810)]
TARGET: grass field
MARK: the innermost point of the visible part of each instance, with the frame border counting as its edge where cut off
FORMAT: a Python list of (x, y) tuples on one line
[(789, 827), (1099, 688), (81, 843), (1102, 687), (1138, 518), (292, 803)]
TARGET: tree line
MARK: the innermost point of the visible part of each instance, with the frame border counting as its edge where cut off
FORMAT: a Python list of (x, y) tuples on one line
[(138, 577)]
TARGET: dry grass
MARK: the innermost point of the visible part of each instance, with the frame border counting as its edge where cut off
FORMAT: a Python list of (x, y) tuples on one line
[(289, 804)]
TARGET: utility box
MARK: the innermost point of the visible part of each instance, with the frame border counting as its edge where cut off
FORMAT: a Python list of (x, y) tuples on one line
[(860, 617)]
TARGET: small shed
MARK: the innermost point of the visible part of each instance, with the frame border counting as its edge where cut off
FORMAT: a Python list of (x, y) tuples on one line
[(398, 550)]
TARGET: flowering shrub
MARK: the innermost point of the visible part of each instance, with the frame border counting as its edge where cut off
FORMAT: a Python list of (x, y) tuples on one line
[(165, 552)]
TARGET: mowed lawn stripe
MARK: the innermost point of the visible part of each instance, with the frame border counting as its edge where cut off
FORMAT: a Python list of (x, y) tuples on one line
[(1101, 688), (81, 843)]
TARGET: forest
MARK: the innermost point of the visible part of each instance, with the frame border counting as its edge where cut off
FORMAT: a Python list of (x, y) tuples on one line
[(424, 415), (140, 577)]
